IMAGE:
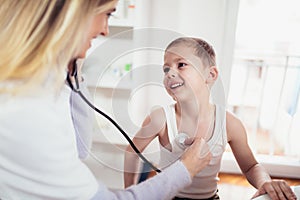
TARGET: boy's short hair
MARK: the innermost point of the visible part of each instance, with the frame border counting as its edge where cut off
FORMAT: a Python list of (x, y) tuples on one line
[(202, 49)]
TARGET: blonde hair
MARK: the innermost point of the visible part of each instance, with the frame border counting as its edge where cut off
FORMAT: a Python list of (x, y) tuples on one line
[(40, 37)]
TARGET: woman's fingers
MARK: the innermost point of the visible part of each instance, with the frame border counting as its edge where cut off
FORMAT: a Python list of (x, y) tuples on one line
[(197, 156)]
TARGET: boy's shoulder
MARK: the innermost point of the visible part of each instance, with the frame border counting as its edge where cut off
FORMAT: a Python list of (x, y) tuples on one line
[(157, 113), (234, 125), (230, 116)]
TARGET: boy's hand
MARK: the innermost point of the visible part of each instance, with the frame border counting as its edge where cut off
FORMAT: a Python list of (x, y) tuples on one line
[(277, 190)]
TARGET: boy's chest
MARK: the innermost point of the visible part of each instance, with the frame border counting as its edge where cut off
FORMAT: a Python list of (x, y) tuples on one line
[(204, 130)]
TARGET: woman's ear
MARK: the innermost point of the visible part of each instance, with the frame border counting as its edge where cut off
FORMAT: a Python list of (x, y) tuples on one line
[(212, 75)]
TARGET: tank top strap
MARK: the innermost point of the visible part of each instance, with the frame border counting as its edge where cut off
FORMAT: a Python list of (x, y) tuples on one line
[(219, 134), (222, 122), (171, 121)]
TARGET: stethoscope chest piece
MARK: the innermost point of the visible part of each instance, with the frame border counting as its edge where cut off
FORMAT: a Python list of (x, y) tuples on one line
[(180, 140)]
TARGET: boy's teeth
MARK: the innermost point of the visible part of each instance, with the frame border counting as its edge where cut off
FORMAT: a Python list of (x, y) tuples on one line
[(176, 85)]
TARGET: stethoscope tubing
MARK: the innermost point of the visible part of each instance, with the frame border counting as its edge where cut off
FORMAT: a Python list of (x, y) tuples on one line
[(77, 90)]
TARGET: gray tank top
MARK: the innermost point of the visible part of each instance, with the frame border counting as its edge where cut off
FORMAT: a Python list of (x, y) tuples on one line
[(204, 184)]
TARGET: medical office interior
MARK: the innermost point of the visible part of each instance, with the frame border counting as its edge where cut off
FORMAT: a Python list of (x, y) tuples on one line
[(257, 43)]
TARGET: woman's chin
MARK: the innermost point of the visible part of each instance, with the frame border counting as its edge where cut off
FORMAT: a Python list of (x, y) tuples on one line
[(81, 55)]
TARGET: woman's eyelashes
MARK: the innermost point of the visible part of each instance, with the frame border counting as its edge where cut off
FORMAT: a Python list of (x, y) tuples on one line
[(110, 14)]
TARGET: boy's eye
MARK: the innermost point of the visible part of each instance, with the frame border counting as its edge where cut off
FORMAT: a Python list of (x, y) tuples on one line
[(181, 65), (166, 69)]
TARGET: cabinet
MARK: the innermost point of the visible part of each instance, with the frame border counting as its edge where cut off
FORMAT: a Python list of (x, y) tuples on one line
[(108, 63)]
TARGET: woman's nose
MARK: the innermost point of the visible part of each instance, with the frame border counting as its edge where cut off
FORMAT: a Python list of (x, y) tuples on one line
[(105, 31)]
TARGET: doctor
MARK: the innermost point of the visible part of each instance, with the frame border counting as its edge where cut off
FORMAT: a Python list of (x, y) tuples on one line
[(38, 155)]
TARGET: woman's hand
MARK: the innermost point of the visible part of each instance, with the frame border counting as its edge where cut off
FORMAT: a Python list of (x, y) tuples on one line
[(197, 156), (277, 190)]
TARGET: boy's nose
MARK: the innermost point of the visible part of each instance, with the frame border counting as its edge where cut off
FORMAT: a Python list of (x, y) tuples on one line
[(172, 73)]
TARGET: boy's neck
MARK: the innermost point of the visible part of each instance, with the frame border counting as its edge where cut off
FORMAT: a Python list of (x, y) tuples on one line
[(194, 109)]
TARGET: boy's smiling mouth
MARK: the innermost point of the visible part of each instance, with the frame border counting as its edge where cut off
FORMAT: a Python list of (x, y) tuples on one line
[(176, 85)]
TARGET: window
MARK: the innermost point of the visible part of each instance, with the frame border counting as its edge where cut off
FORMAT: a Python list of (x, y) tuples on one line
[(265, 79)]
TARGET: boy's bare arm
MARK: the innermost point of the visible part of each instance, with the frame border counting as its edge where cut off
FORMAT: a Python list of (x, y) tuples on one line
[(152, 127), (237, 139), (254, 172)]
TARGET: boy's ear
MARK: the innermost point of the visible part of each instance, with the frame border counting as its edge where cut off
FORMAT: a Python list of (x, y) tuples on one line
[(212, 74)]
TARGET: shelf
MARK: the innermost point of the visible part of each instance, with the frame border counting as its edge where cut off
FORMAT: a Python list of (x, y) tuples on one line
[(109, 87), (109, 83)]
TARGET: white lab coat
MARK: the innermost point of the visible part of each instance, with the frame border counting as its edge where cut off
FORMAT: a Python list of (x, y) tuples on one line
[(38, 155)]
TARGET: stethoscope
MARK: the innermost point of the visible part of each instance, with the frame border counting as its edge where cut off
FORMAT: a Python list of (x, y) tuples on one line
[(76, 89)]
